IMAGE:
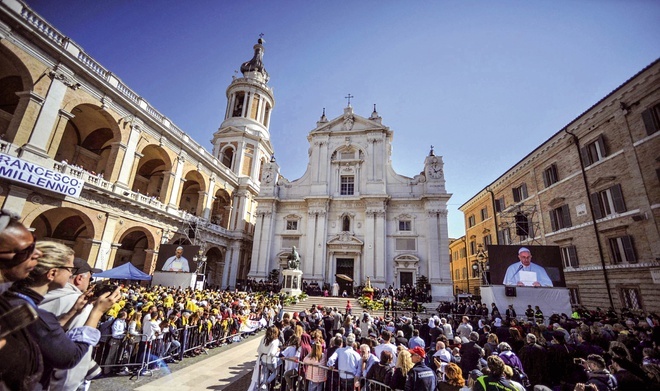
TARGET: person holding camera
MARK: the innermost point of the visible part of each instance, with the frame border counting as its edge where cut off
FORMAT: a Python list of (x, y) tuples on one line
[(597, 374), (60, 349), (60, 302)]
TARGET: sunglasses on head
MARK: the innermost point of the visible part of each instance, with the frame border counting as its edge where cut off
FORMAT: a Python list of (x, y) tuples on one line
[(20, 255)]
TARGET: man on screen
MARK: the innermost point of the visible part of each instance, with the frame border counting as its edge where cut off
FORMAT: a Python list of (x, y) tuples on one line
[(177, 263), (526, 273)]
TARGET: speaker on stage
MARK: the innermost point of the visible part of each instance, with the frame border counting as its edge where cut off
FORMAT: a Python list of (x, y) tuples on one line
[(510, 291)]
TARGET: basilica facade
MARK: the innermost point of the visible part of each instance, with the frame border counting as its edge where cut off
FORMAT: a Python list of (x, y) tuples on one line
[(351, 217)]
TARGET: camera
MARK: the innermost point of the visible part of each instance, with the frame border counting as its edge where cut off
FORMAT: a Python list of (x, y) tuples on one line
[(100, 289)]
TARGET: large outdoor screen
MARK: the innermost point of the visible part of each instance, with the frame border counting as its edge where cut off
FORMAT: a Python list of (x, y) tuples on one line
[(176, 258), (538, 266)]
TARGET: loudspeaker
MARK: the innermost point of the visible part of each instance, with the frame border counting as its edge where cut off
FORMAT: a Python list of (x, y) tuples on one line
[(510, 291)]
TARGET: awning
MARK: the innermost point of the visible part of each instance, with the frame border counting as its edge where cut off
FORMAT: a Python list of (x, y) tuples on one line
[(344, 277)]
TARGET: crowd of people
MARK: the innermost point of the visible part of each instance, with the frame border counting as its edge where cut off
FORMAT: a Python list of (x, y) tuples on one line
[(471, 347), (61, 331)]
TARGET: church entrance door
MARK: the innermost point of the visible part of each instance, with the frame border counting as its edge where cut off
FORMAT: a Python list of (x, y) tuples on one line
[(345, 266), (406, 278)]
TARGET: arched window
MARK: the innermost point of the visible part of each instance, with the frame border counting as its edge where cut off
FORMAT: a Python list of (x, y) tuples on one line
[(228, 157), (346, 223), (237, 110)]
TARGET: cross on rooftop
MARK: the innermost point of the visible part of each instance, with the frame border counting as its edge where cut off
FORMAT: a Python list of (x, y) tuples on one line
[(349, 96)]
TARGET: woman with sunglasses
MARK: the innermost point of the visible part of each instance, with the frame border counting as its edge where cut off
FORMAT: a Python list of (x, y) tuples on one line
[(21, 359), (59, 349)]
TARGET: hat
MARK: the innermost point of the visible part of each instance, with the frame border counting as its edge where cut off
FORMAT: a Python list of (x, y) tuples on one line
[(418, 351), (498, 322), (84, 267), (443, 355), (523, 249)]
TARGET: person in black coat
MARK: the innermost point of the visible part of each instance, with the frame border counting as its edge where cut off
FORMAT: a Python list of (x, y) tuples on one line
[(533, 357), (471, 353)]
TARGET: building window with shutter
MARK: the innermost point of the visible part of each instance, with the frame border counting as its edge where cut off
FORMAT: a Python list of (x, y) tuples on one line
[(405, 225), (608, 202), (523, 225), (472, 221), (473, 247), (550, 176), (594, 151), (651, 119), (484, 213), (631, 298), (504, 236), (520, 192), (622, 249), (560, 218), (575, 296), (569, 257), (487, 240), (499, 204)]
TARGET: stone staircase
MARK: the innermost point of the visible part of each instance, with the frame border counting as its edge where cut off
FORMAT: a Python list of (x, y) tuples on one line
[(340, 303)]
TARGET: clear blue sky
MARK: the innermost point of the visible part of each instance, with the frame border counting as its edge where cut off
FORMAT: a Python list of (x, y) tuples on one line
[(484, 82)]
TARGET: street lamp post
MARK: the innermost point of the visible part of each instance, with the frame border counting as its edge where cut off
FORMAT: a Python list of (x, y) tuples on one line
[(200, 259), (482, 260)]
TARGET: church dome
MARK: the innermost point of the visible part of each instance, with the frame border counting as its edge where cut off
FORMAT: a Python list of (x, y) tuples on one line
[(256, 64)]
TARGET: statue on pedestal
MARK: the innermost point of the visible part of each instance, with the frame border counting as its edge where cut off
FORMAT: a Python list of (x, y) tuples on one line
[(294, 259)]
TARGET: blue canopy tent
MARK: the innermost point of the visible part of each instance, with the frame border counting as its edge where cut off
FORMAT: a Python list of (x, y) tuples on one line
[(124, 272)]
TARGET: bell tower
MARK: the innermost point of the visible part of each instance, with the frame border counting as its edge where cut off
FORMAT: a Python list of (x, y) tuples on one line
[(242, 143)]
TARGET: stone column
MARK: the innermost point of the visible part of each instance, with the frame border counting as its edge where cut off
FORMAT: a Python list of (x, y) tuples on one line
[(63, 120), (16, 199), (370, 245), (62, 78), (150, 261), (261, 246), (104, 257), (209, 201), (113, 165), (29, 104), (94, 247), (129, 156), (172, 204), (379, 248)]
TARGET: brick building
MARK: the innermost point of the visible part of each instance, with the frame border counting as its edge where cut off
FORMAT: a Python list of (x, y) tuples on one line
[(593, 190)]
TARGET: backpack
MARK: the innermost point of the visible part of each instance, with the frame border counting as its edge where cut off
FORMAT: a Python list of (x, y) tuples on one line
[(518, 375)]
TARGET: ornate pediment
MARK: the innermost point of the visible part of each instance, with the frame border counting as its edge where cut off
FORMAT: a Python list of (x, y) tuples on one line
[(345, 238), (349, 122), (603, 181), (406, 261), (556, 202)]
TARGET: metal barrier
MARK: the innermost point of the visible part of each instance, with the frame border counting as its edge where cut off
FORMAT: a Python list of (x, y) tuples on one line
[(278, 378), (132, 356)]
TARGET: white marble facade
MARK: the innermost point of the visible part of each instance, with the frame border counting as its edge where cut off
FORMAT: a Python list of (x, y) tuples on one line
[(352, 214)]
